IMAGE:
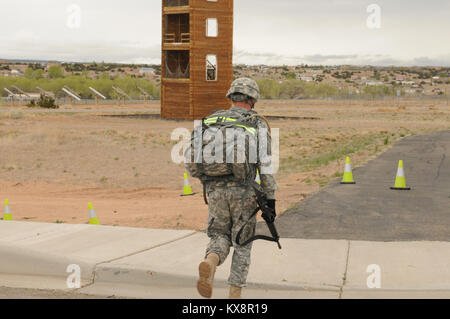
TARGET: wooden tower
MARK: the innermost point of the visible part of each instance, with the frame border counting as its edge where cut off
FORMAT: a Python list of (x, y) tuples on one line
[(197, 57)]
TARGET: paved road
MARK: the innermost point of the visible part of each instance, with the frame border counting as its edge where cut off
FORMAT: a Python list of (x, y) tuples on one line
[(370, 211)]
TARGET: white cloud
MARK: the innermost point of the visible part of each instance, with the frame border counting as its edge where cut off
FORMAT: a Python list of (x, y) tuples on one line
[(275, 32)]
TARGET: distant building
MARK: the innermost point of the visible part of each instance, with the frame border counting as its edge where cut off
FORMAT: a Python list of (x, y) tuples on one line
[(305, 78), (374, 83), (410, 91), (147, 71), (50, 64), (15, 73)]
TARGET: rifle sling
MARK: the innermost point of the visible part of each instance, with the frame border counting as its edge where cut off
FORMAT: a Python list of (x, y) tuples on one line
[(256, 237)]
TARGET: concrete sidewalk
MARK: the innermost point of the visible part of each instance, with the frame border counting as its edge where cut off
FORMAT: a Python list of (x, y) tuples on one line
[(147, 263)]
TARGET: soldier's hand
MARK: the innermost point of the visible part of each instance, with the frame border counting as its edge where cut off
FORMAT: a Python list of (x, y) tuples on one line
[(270, 215)]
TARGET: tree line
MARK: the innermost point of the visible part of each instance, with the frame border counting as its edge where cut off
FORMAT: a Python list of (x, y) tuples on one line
[(270, 89), (291, 89)]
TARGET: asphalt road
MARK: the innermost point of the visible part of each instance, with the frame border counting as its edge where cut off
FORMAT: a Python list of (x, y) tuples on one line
[(371, 211)]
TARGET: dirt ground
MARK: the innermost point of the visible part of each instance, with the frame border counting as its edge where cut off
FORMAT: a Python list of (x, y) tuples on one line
[(53, 163)]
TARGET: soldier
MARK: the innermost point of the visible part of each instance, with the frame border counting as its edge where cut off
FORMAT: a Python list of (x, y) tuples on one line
[(232, 204)]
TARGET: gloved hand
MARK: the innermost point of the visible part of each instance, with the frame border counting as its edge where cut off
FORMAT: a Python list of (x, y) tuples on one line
[(270, 214)]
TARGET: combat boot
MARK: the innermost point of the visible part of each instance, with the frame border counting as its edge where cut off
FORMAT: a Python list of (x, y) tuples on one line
[(207, 270), (235, 292)]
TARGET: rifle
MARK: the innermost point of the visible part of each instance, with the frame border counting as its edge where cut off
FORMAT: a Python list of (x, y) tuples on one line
[(261, 199)]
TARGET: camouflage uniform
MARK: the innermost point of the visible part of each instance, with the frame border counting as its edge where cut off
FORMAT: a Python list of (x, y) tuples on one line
[(231, 205)]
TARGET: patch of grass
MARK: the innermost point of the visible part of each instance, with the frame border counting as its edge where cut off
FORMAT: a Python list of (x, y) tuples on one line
[(338, 174), (60, 222), (322, 181), (331, 153), (28, 218), (103, 180), (14, 116), (9, 134)]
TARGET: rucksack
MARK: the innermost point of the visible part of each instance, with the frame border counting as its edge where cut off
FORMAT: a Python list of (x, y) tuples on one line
[(225, 145)]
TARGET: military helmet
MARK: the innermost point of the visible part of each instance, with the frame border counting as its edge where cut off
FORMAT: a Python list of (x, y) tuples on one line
[(245, 86)]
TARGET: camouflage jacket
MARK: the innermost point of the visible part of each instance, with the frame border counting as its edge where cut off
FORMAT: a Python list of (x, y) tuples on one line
[(268, 182)]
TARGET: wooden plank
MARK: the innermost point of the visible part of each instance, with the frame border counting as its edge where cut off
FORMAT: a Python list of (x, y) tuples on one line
[(176, 46), (176, 97), (176, 10)]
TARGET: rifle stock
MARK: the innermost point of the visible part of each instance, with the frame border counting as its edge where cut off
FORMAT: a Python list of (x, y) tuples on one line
[(261, 198), (273, 231)]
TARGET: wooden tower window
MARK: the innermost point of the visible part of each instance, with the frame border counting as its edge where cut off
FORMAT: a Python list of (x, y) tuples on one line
[(212, 28), (211, 67), (177, 65), (177, 28)]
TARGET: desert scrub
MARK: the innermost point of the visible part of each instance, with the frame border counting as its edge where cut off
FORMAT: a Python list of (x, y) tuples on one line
[(9, 134), (12, 115), (332, 152)]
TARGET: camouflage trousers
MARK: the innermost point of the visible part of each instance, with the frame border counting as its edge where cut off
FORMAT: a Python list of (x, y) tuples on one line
[(229, 209)]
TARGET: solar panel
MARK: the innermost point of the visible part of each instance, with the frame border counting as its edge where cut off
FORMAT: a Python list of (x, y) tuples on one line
[(18, 89), (97, 93), (10, 93), (120, 92), (71, 94)]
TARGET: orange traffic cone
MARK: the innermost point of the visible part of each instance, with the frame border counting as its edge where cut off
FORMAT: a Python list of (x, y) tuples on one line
[(93, 219), (187, 189), (348, 173), (400, 181), (7, 215)]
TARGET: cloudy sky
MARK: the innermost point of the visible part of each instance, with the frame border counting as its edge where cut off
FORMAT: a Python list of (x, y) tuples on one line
[(412, 32)]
